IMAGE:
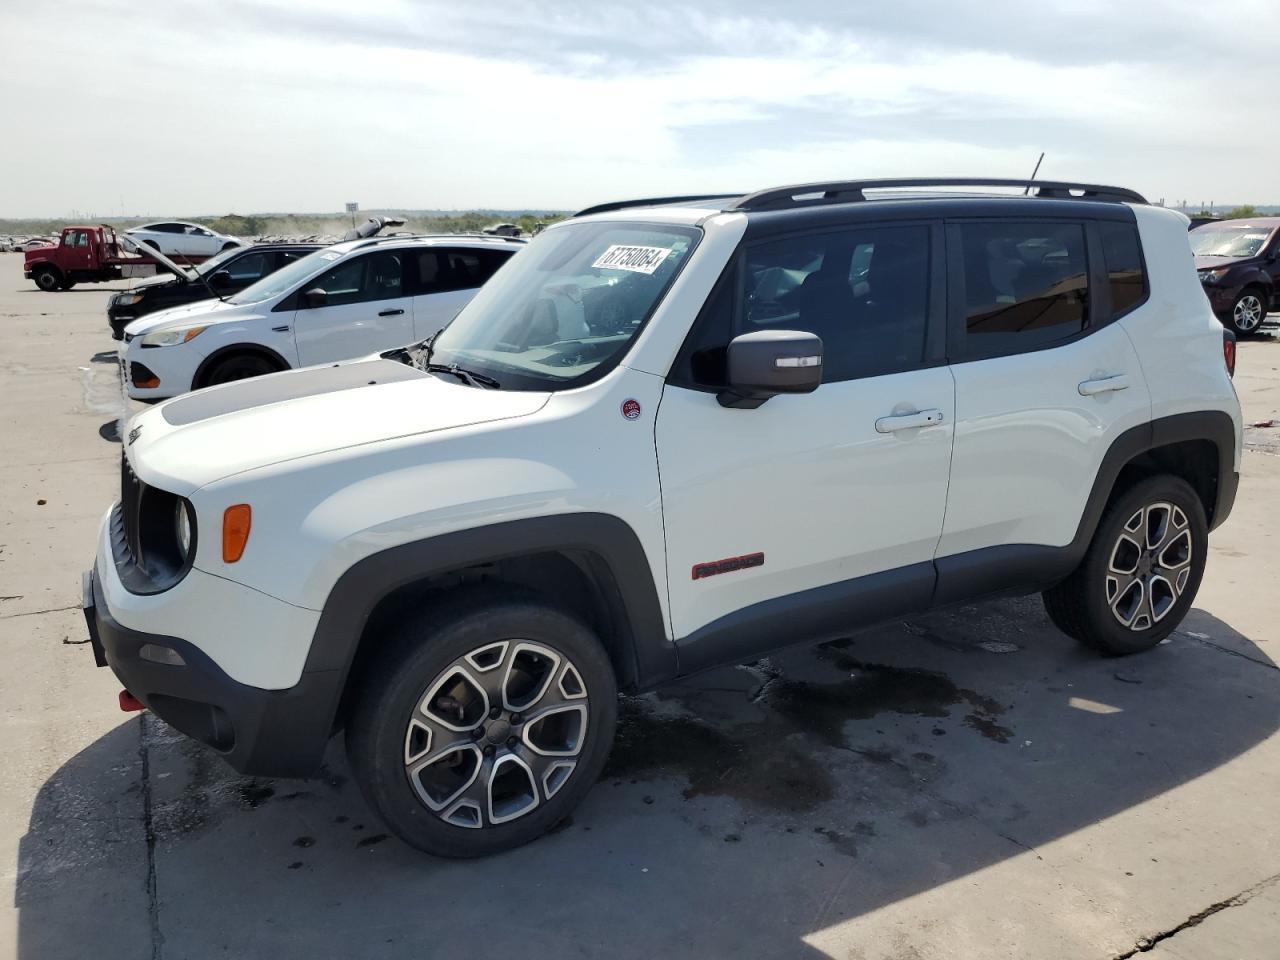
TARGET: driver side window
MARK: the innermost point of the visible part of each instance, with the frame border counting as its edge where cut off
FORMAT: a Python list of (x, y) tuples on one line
[(863, 290), (377, 276)]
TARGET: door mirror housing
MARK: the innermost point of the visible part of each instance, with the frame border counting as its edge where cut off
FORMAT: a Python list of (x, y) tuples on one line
[(220, 278), (766, 363), (315, 298)]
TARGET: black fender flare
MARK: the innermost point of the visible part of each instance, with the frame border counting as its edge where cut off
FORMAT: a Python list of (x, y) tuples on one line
[(990, 570), (604, 538), (255, 348)]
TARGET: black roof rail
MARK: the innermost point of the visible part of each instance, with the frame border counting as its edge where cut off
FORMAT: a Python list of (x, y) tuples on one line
[(850, 191), (653, 202), (390, 237)]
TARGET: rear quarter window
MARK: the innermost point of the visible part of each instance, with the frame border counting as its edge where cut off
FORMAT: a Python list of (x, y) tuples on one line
[(1126, 272)]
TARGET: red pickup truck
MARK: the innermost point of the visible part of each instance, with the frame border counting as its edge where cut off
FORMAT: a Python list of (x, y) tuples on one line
[(86, 254)]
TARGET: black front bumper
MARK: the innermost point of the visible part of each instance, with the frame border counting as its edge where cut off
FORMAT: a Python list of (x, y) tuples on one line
[(274, 733)]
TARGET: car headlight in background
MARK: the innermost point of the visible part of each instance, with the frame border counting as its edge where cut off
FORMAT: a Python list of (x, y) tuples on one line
[(1213, 276), (171, 338), (126, 299)]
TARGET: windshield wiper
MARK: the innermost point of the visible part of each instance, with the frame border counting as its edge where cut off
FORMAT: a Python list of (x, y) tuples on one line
[(469, 377)]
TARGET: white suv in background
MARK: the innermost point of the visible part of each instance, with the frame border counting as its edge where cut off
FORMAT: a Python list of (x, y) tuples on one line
[(175, 238), (670, 436), (346, 300)]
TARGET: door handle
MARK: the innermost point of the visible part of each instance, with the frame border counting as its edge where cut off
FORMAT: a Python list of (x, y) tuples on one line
[(390, 313), (1091, 388), (909, 421)]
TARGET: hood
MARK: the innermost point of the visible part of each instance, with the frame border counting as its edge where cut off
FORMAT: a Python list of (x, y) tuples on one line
[(159, 280), (1215, 263), (191, 441), (131, 245), (202, 311)]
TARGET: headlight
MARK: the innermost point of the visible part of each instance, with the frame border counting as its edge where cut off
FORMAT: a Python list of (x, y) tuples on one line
[(171, 338), (184, 525), (127, 299), (1213, 276)]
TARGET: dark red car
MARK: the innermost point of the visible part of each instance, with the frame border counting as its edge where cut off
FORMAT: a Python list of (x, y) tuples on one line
[(1239, 266)]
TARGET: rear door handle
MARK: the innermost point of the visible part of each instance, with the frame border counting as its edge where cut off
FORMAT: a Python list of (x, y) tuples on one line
[(1091, 388), (909, 421), (390, 313)]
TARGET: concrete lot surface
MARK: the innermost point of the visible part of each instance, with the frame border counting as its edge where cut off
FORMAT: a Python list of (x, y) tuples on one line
[(963, 784)]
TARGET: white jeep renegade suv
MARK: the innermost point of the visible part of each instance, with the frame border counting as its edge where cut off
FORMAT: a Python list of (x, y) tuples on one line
[(346, 300), (459, 552)]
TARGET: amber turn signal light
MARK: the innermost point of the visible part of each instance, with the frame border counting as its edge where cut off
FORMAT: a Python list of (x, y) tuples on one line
[(236, 521)]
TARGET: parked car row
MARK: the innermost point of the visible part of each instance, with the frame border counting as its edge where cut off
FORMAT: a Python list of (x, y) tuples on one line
[(665, 436), (280, 307), (23, 244)]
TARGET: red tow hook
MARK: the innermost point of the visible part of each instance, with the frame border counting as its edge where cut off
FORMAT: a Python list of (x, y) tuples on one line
[(129, 703)]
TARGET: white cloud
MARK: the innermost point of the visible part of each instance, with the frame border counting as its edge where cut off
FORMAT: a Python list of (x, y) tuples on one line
[(281, 107)]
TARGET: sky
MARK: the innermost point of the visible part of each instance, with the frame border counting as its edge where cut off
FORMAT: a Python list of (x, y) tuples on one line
[(120, 107)]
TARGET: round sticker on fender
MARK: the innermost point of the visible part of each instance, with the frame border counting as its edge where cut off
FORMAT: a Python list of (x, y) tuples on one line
[(631, 409)]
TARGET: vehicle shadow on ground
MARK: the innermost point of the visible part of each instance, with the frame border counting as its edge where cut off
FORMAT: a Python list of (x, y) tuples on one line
[(741, 814)]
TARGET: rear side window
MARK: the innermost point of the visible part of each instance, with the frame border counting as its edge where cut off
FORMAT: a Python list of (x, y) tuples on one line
[(439, 271), (1122, 254), (1026, 285), (471, 268)]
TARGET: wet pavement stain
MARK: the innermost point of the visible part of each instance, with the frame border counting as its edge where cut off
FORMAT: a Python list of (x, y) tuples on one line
[(988, 727), (771, 763), (373, 839), (778, 777), (847, 842)]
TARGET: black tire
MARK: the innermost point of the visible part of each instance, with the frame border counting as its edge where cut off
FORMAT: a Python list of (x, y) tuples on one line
[(1248, 312), (66, 284), (238, 366), (389, 689), (47, 279), (229, 246), (1082, 605)]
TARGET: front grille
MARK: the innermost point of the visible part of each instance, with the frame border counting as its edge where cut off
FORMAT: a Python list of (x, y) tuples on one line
[(131, 492)]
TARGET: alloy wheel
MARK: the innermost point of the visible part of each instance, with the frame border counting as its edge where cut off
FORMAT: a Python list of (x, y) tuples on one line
[(1150, 565), (1249, 312), (497, 733)]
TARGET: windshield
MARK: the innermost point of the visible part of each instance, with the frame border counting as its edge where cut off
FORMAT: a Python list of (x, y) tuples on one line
[(1228, 241), (564, 310), (274, 284)]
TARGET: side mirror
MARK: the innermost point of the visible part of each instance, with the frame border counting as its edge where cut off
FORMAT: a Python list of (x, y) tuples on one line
[(220, 278), (769, 362), (315, 298)]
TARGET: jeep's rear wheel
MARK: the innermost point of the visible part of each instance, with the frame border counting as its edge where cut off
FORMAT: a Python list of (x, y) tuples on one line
[(47, 279), (1248, 312), (480, 726), (1141, 572)]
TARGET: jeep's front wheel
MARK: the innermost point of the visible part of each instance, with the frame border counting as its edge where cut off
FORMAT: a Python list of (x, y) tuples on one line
[(1141, 572), (479, 726)]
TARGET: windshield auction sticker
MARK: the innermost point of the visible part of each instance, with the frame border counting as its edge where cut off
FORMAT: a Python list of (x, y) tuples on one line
[(636, 259)]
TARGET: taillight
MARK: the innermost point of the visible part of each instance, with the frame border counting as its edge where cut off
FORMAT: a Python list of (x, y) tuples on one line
[(1229, 351)]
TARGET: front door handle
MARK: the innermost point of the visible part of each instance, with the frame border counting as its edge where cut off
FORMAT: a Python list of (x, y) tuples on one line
[(390, 313), (909, 421), (1091, 388)]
